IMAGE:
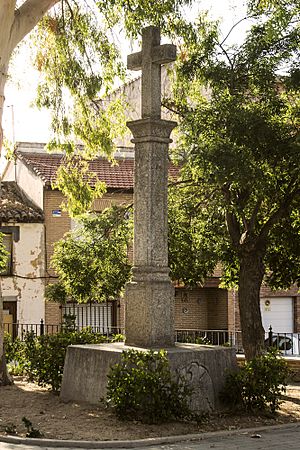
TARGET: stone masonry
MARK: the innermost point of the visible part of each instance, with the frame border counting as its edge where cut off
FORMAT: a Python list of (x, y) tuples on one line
[(149, 296)]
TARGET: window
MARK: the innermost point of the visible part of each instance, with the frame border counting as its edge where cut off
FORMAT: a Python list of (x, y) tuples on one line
[(7, 242)]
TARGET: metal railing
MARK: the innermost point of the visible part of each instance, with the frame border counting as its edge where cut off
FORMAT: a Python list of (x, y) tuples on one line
[(287, 343), (211, 337), (38, 329)]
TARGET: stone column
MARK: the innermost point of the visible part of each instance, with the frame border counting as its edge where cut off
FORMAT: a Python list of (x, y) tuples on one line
[(149, 296)]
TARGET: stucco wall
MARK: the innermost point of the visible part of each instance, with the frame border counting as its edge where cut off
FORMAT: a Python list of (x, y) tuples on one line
[(27, 180), (28, 263)]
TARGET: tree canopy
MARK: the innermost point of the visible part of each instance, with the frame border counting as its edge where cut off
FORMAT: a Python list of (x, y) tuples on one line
[(80, 60), (238, 109), (92, 260)]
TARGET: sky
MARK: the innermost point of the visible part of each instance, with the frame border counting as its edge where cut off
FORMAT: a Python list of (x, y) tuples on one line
[(23, 122)]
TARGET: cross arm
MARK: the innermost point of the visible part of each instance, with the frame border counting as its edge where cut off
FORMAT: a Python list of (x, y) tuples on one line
[(134, 61), (163, 54), (160, 54)]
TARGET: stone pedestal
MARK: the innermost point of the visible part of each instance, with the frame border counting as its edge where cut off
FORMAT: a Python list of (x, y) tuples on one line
[(204, 367), (150, 313)]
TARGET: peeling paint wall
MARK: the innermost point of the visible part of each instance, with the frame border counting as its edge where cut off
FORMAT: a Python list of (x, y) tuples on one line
[(27, 282)]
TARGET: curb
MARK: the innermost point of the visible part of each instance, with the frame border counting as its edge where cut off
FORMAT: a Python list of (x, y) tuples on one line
[(54, 443)]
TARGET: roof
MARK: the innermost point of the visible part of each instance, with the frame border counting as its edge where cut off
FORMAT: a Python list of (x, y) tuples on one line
[(15, 206), (116, 176)]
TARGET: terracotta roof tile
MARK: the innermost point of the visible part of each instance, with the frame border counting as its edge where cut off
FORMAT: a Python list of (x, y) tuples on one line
[(15, 206), (118, 176)]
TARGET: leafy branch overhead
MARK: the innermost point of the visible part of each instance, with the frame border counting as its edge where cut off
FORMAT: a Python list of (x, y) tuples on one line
[(78, 51), (78, 184)]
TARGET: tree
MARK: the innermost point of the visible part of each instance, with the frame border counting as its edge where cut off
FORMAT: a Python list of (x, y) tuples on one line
[(77, 57), (238, 109), (76, 52), (237, 200), (92, 260)]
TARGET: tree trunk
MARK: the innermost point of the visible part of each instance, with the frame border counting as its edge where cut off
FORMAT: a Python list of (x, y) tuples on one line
[(14, 26), (6, 20), (250, 279), (3, 77)]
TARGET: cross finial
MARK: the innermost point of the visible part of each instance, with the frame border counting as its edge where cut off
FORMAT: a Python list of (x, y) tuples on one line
[(149, 60)]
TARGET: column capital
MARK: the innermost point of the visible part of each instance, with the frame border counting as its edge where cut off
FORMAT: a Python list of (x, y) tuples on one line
[(149, 129)]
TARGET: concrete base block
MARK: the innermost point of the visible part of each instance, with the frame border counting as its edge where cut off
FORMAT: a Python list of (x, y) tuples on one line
[(204, 367)]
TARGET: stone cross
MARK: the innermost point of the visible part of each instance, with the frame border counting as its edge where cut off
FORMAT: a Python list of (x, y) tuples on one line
[(149, 60), (149, 296)]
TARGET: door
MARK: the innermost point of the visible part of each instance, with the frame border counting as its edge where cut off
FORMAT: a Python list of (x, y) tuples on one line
[(278, 312), (10, 317)]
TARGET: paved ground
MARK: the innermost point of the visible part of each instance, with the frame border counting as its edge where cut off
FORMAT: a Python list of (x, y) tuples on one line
[(275, 438)]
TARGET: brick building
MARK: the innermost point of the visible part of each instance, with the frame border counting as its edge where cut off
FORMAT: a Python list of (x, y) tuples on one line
[(206, 308)]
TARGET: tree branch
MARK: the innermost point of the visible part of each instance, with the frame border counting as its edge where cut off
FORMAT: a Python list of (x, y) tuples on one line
[(189, 182), (233, 27), (231, 220), (26, 18), (226, 55), (233, 228), (278, 214), (254, 214), (171, 105)]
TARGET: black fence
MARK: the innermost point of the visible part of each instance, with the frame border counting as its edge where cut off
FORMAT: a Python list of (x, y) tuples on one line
[(20, 330), (287, 343), (212, 337)]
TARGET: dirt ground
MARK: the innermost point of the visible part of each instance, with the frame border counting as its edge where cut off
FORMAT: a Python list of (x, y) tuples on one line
[(72, 421)]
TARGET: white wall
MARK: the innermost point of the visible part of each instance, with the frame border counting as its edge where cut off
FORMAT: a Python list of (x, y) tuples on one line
[(30, 183), (28, 263)]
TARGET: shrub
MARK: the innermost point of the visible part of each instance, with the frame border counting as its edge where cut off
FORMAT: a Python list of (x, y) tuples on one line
[(258, 385), (45, 355), (117, 337), (13, 348), (141, 387), (14, 352), (31, 431), (42, 358)]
